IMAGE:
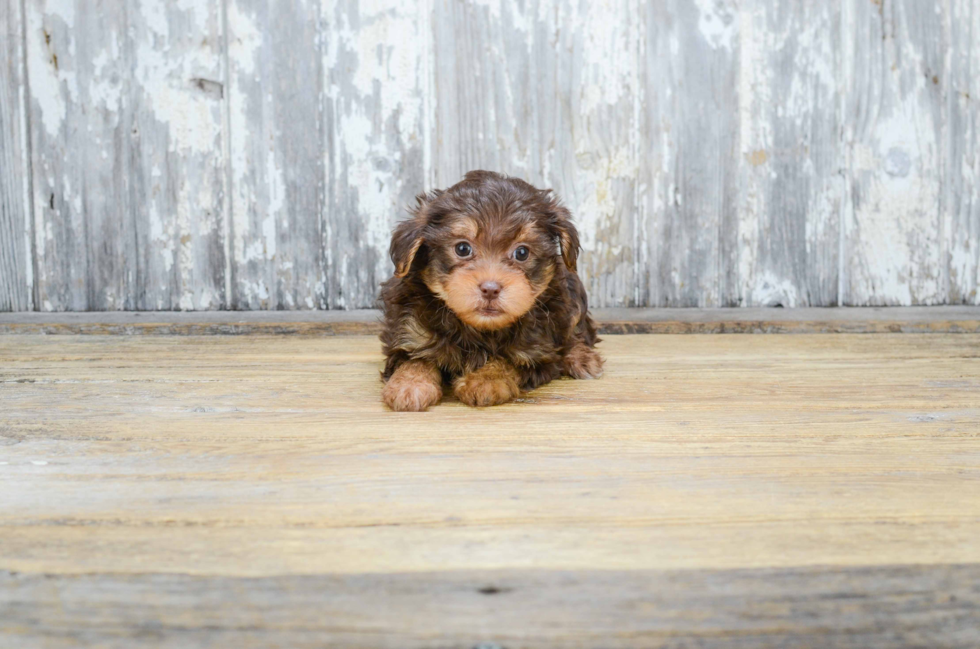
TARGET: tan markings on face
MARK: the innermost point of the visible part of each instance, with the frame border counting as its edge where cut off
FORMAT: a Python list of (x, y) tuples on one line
[(545, 281), (460, 287), (464, 297), (434, 282), (528, 232), (464, 228)]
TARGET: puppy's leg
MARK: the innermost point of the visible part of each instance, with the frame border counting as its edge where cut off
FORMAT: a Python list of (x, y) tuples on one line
[(582, 362), (495, 383), (414, 386)]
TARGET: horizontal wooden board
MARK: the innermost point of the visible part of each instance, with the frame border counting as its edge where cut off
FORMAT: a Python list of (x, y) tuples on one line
[(868, 608), (955, 319)]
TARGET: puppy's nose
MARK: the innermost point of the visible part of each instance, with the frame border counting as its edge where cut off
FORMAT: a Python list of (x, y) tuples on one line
[(490, 290)]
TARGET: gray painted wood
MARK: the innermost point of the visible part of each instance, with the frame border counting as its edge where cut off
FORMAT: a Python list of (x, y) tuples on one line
[(713, 152), (178, 173), (128, 166), (962, 196), (277, 154), (16, 260), (827, 606), (374, 116), (791, 155), (79, 161), (489, 59), (689, 133), (893, 65)]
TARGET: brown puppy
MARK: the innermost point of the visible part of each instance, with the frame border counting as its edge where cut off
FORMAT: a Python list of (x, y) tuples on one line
[(485, 296)]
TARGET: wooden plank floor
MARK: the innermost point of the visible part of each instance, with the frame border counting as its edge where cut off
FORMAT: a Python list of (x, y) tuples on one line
[(723, 490)]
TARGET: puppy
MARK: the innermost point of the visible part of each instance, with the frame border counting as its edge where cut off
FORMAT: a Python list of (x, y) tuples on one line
[(485, 296)]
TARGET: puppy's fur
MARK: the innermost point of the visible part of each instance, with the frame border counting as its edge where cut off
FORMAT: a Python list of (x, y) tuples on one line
[(485, 296)]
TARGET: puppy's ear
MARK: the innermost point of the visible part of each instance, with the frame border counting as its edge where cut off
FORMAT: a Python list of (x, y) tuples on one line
[(405, 244), (408, 237), (561, 225)]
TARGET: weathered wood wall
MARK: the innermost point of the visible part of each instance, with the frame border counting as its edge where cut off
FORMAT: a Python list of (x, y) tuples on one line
[(254, 154), (16, 260)]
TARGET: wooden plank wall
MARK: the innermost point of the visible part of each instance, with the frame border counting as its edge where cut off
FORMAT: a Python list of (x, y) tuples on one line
[(252, 154), (16, 260), (128, 162)]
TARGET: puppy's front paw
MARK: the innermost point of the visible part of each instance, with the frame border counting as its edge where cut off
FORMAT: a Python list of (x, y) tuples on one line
[(491, 385), (413, 387), (583, 362)]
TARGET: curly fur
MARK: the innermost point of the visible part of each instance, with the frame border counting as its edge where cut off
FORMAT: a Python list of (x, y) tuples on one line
[(543, 332)]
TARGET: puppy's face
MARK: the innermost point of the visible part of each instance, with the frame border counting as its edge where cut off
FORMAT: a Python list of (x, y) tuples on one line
[(489, 271), (488, 247)]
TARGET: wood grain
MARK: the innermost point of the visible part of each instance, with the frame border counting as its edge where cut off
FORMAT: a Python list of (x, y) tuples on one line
[(128, 167), (247, 154), (16, 260), (376, 133), (894, 66), (277, 147), (610, 321), (791, 154), (827, 464), (179, 172), (867, 608), (688, 222), (488, 59), (962, 196)]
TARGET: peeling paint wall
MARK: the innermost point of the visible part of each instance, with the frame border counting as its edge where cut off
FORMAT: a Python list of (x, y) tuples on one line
[(16, 260), (254, 154)]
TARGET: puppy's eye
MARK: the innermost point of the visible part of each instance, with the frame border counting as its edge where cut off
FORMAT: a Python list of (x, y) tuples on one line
[(521, 253), (463, 249)]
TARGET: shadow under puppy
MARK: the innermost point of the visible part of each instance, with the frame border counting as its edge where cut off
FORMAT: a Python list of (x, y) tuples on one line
[(485, 296)]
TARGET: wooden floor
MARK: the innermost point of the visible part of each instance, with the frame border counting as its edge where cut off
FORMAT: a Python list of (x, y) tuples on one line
[(722, 490)]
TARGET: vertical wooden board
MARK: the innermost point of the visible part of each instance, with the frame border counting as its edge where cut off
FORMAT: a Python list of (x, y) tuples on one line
[(963, 170), (127, 160), (177, 167), (591, 134), (487, 104), (546, 91), (689, 161), (16, 271), (790, 153), (277, 153), (77, 65), (373, 107), (893, 66)]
